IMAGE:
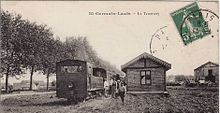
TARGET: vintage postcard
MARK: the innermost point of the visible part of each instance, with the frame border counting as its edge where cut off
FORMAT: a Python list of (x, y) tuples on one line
[(110, 56)]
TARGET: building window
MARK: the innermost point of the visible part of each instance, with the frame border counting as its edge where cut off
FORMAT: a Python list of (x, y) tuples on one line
[(145, 77)]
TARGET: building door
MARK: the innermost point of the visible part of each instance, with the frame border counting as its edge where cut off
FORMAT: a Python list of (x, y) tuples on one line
[(209, 72), (210, 76)]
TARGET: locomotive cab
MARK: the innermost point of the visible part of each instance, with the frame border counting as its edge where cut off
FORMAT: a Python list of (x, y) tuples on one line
[(71, 76), (76, 80)]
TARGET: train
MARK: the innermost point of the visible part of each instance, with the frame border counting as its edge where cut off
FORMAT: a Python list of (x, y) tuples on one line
[(77, 80)]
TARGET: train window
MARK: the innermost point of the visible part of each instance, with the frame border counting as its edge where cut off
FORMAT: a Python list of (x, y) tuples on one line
[(99, 74), (71, 69)]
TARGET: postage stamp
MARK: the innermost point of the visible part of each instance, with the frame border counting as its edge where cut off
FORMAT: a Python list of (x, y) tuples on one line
[(190, 23)]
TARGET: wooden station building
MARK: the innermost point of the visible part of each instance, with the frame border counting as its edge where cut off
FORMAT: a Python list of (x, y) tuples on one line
[(146, 73), (207, 72)]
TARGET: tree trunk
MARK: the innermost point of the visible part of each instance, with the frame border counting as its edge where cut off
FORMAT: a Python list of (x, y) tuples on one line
[(31, 77), (6, 80), (48, 80), (6, 83)]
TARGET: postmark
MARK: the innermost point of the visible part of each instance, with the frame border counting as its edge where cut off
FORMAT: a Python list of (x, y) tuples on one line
[(159, 40), (190, 23)]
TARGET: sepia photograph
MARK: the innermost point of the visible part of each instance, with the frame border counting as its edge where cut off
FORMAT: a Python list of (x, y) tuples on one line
[(109, 56)]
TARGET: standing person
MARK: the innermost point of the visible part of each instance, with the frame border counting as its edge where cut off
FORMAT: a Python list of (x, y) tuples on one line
[(113, 88), (106, 87), (116, 82), (122, 91), (110, 86), (117, 87)]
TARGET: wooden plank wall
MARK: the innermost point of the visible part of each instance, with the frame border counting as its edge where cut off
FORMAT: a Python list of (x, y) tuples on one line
[(201, 73), (157, 80)]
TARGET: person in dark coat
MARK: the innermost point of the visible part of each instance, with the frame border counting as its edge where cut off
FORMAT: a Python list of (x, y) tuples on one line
[(113, 88), (110, 86), (122, 91)]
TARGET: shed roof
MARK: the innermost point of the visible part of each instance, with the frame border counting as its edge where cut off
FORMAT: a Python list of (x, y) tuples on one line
[(146, 55), (209, 62)]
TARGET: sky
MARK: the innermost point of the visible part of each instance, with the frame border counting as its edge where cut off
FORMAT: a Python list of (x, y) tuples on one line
[(120, 38)]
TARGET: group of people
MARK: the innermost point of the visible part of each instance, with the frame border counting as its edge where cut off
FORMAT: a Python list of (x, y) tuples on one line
[(115, 88)]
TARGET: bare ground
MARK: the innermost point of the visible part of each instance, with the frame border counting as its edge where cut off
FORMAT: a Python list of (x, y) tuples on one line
[(180, 100)]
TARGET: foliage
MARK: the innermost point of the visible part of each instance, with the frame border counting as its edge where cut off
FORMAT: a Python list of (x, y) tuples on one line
[(11, 53), (10, 44), (27, 45)]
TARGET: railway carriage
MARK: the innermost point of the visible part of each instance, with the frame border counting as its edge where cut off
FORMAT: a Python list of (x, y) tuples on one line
[(76, 80), (97, 80)]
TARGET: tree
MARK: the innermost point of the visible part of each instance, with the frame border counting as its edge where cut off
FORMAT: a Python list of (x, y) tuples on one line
[(51, 56), (35, 46), (10, 43)]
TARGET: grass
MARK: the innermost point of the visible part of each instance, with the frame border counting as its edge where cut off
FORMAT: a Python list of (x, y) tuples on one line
[(180, 100)]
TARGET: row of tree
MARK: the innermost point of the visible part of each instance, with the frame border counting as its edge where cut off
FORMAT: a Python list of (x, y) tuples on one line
[(29, 46)]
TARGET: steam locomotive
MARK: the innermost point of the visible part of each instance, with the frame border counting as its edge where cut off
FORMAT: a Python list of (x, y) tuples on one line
[(76, 80)]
